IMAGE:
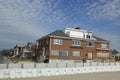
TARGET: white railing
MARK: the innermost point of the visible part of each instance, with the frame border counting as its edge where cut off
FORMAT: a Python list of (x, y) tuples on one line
[(34, 70)]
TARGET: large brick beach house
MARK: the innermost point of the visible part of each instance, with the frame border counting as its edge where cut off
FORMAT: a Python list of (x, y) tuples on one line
[(72, 45)]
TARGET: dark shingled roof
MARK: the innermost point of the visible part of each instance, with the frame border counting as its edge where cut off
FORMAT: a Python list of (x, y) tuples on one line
[(100, 39), (60, 33)]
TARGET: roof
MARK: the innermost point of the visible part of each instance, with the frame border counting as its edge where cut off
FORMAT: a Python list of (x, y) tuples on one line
[(61, 34), (58, 33), (100, 39)]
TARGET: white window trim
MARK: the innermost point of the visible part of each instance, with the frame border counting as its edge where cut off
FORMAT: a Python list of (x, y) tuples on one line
[(77, 42), (56, 42), (87, 36), (102, 46)]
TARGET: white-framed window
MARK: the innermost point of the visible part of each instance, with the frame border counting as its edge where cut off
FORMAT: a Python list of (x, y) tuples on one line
[(103, 45), (76, 43), (57, 41), (76, 53), (88, 36), (90, 44)]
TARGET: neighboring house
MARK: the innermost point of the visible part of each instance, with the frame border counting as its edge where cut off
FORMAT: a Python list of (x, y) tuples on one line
[(25, 50), (72, 45), (116, 54)]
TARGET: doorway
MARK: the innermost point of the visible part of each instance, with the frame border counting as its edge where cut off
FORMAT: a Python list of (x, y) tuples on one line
[(89, 55)]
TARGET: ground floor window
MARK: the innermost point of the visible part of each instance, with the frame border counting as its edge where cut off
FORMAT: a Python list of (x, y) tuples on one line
[(102, 55), (76, 53), (59, 53), (62, 53)]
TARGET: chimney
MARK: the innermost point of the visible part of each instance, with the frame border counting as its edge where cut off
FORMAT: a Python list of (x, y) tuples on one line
[(77, 28)]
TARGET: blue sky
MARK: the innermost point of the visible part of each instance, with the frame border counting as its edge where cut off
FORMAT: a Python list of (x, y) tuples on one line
[(27, 20)]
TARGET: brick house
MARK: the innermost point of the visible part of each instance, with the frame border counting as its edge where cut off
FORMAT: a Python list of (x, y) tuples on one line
[(72, 45)]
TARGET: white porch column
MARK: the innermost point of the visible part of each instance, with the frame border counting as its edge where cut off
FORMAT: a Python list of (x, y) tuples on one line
[(43, 51), (16, 51)]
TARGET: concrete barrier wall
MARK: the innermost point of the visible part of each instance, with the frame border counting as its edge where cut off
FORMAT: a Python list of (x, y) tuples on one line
[(34, 70), (3, 66), (79, 65), (61, 65), (54, 65), (40, 65), (24, 73), (28, 65), (13, 66)]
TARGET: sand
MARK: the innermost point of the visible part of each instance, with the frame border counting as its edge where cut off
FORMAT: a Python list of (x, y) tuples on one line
[(85, 76)]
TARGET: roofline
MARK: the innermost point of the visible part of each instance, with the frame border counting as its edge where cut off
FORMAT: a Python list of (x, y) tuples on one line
[(72, 38)]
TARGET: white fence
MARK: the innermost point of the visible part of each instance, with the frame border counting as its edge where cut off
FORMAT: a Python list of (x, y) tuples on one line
[(34, 70)]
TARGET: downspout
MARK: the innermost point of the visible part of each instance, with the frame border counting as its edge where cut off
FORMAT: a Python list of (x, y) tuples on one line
[(49, 47)]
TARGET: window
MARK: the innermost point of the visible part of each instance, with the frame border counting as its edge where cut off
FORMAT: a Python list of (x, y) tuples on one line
[(57, 41), (88, 36), (76, 53), (76, 43), (90, 43), (47, 41), (62, 53), (55, 52), (59, 53), (68, 32), (102, 55), (103, 45)]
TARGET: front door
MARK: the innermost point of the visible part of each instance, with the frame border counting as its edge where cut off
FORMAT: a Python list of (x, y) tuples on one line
[(89, 55)]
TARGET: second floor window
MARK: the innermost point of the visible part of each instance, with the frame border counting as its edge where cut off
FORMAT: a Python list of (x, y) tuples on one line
[(75, 42), (57, 41), (103, 45), (90, 43)]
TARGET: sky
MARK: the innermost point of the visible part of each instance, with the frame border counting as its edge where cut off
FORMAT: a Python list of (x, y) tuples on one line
[(23, 21)]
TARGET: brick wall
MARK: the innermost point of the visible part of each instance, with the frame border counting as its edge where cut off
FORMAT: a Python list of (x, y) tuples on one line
[(67, 46)]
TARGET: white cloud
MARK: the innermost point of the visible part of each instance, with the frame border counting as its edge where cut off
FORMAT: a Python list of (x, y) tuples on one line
[(27, 18), (103, 9)]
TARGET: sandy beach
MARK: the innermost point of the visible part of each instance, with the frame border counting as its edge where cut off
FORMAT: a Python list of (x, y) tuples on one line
[(86, 76)]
